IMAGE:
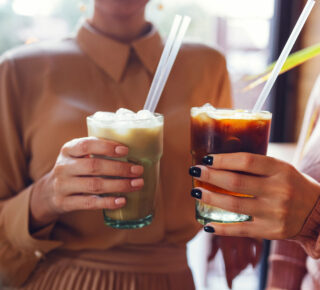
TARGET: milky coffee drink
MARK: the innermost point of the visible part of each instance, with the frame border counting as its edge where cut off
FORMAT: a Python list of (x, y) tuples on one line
[(142, 133)]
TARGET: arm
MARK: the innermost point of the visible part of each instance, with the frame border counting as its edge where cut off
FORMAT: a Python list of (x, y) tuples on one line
[(29, 209), (19, 250)]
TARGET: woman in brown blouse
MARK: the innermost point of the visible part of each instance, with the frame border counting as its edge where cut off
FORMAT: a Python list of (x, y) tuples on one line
[(52, 234)]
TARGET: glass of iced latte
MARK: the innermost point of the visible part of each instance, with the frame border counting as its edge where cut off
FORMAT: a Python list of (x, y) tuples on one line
[(142, 132), (216, 131)]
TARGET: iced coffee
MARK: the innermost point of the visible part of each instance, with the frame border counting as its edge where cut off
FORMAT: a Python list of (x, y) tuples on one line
[(142, 132), (216, 131)]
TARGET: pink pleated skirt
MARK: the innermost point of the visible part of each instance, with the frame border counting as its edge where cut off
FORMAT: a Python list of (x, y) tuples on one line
[(125, 268)]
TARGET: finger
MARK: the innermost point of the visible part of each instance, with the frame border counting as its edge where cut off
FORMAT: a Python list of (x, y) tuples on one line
[(97, 185), (100, 166), (242, 205), (246, 162), (252, 229), (91, 145), (92, 202), (233, 181)]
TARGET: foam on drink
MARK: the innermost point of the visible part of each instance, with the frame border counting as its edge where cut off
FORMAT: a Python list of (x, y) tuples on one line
[(214, 113)]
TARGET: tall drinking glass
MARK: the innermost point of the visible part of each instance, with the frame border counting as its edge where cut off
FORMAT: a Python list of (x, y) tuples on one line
[(143, 134), (216, 131)]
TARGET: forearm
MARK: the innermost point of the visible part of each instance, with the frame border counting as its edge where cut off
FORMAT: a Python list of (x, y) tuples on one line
[(20, 250)]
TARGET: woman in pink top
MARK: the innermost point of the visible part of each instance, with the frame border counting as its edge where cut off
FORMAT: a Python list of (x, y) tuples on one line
[(286, 206)]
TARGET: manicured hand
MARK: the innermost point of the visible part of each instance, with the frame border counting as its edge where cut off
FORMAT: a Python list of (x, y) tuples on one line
[(282, 196), (77, 181)]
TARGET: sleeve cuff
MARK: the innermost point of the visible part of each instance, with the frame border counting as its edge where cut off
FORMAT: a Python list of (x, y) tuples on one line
[(309, 237), (16, 224)]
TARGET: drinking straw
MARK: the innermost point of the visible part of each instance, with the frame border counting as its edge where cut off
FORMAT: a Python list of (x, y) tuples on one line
[(164, 57), (283, 56), (166, 61)]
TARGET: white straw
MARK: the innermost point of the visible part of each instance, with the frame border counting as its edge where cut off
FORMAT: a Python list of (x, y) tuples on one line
[(167, 69), (164, 57), (283, 56)]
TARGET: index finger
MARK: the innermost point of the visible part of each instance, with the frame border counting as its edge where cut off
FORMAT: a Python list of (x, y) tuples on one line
[(82, 147), (245, 162)]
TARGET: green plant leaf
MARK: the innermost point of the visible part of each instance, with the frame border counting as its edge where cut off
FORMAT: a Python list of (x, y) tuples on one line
[(292, 61)]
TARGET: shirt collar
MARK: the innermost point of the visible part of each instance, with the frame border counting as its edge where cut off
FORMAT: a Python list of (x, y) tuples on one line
[(112, 56)]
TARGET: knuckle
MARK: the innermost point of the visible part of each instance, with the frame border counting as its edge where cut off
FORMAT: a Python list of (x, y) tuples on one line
[(57, 201), (289, 172), (64, 149), (109, 203), (236, 182), (58, 169), (282, 215), (282, 232), (89, 202), (124, 186), (57, 185), (83, 146), (247, 160), (235, 205), (93, 165), (94, 185)]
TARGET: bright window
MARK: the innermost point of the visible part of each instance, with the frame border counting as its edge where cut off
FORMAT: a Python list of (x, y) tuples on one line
[(240, 29)]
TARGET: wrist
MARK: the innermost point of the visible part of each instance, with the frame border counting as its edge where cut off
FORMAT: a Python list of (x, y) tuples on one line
[(41, 213)]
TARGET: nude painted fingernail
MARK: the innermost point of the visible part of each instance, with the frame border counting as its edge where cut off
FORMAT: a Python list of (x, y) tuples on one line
[(136, 169), (121, 150), (120, 200), (137, 182)]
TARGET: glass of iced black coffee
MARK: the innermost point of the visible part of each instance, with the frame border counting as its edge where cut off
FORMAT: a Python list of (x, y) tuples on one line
[(215, 131)]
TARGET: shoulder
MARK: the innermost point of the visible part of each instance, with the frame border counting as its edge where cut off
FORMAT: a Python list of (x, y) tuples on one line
[(42, 51), (203, 53)]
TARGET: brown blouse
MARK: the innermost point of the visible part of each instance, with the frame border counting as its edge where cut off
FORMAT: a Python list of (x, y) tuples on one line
[(46, 92)]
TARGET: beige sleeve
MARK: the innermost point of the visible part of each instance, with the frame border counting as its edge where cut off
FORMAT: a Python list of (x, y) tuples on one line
[(19, 250)]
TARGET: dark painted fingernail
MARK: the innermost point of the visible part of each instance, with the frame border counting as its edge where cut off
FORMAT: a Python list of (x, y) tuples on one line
[(209, 229), (197, 193), (207, 160), (195, 171)]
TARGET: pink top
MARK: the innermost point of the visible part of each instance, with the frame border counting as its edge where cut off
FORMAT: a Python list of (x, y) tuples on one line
[(296, 264)]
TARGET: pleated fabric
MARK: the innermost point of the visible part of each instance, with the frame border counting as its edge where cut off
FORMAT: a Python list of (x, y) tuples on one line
[(129, 268)]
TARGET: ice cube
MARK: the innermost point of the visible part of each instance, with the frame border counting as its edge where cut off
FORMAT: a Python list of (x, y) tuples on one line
[(104, 116), (125, 114), (208, 106), (144, 114), (123, 111)]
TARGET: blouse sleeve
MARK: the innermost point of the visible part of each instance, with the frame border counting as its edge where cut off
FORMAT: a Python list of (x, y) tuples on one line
[(20, 250), (287, 265), (309, 236)]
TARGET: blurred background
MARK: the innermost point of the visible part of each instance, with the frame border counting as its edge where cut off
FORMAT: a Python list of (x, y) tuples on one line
[(251, 34)]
